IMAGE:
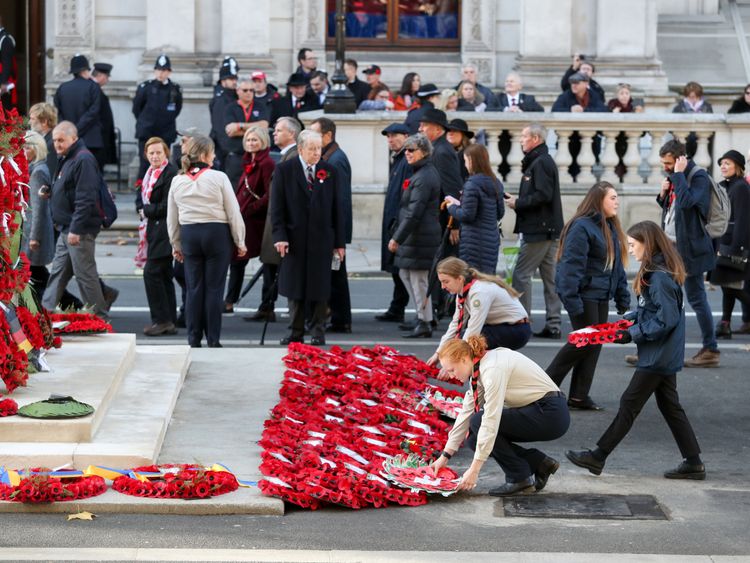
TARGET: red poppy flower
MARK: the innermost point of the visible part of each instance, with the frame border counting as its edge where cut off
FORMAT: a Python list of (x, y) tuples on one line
[(406, 183), (322, 175)]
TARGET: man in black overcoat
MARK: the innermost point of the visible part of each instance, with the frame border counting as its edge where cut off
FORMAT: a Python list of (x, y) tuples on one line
[(307, 229), (297, 99), (108, 154)]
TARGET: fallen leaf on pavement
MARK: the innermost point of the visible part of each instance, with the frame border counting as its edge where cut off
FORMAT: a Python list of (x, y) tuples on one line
[(81, 516)]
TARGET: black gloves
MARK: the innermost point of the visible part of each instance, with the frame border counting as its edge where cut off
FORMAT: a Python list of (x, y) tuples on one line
[(623, 337)]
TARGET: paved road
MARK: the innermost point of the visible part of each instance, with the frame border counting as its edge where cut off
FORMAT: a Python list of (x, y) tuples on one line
[(708, 518)]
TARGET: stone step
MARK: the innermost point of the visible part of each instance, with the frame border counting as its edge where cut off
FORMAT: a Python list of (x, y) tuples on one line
[(88, 368), (133, 430)]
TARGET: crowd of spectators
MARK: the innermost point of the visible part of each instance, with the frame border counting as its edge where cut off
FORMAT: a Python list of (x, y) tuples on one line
[(244, 193)]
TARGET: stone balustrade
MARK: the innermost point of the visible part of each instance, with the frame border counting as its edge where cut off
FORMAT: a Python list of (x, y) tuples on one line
[(620, 148)]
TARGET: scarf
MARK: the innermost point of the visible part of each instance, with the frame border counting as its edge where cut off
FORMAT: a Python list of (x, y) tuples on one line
[(460, 301), (149, 180)]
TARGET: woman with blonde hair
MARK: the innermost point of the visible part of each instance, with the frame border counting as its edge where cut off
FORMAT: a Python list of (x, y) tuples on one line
[(252, 192), (448, 100), (469, 98), (511, 399), (590, 272), (38, 232), (205, 226)]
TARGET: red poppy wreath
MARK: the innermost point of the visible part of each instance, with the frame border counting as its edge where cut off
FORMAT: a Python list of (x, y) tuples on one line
[(175, 481), (39, 486)]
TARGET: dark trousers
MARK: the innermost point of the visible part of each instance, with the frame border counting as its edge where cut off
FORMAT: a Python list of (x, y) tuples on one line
[(400, 298), (581, 360), (340, 301), (39, 277), (541, 421), (207, 248), (695, 292), (270, 291), (179, 277), (157, 278), (746, 308), (644, 384), (507, 335), (236, 276), (728, 296), (233, 167), (317, 310)]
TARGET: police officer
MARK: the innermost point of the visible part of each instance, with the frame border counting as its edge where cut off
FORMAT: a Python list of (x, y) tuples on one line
[(80, 101), (156, 105), (225, 93), (108, 154)]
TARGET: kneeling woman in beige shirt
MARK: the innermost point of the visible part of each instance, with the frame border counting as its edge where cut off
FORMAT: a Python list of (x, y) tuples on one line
[(518, 402), (205, 226)]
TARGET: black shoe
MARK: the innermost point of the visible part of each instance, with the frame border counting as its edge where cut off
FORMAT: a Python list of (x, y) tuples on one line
[(551, 333), (318, 341), (411, 325), (340, 329), (180, 322), (433, 324), (110, 296), (215, 345), (586, 404), (687, 471), (508, 489), (289, 339), (160, 329), (548, 467), (585, 459), (228, 309), (724, 330), (422, 330), (390, 317), (261, 316)]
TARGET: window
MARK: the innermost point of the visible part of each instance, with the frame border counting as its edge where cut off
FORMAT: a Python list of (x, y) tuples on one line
[(398, 23)]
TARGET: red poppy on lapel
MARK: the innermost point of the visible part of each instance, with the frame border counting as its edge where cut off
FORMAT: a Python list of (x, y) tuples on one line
[(322, 175), (406, 184)]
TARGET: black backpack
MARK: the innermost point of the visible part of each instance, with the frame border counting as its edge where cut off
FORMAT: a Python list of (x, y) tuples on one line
[(106, 205)]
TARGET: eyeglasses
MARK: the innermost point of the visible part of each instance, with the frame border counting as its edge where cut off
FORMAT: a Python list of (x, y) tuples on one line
[(747, 92), (411, 150), (245, 89)]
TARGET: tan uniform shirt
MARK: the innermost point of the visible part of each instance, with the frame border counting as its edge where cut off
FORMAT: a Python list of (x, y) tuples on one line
[(205, 198), (507, 379), (487, 303)]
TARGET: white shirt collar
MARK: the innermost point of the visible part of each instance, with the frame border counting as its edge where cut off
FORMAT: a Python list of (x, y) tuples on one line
[(305, 165), (287, 148)]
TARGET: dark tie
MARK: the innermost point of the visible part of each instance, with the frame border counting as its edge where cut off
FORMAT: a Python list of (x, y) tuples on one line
[(515, 102), (297, 105), (310, 178)]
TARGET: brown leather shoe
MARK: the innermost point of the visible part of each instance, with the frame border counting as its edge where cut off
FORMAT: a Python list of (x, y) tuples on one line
[(705, 358), (631, 359), (160, 329), (261, 316)]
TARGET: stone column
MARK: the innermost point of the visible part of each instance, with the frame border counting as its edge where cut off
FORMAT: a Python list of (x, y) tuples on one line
[(626, 45), (170, 26), (545, 49), (478, 38), (245, 30), (309, 31), (74, 33)]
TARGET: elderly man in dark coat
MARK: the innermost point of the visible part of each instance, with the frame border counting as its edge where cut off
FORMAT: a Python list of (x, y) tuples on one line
[(308, 229), (399, 171)]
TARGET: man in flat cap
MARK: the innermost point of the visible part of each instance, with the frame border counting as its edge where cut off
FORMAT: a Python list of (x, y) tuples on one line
[(156, 105), (80, 101), (399, 170), (579, 98), (108, 154)]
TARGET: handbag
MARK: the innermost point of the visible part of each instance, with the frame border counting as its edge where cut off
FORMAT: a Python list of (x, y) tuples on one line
[(726, 259)]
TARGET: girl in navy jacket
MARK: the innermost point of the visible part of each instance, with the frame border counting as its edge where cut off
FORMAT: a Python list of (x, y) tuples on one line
[(659, 333), (590, 272)]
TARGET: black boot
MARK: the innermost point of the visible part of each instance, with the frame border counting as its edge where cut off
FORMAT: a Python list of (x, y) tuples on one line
[(422, 330), (724, 330)]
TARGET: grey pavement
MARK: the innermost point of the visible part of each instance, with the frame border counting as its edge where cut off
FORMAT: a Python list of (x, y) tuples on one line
[(217, 414)]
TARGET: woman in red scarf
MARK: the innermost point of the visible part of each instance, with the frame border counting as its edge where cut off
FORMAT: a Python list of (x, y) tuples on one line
[(154, 252), (252, 194)]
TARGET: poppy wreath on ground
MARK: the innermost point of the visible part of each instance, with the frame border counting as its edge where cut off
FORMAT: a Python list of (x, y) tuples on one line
[(80, 323), (594, 335), (31, 327), (8, 407), (39, 486), (45, 324), (175, 481), (13, 361), (340, 415), (415, 473)]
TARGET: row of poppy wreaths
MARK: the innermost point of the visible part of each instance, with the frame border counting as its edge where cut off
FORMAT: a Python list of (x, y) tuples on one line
[(184, 481), (341, 414)]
